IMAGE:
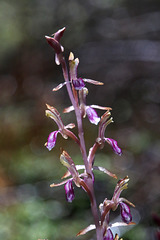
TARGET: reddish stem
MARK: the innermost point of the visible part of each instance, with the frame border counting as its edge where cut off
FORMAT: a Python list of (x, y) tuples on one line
[(89, 180)]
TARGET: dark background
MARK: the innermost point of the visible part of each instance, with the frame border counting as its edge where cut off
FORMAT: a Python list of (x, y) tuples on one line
[(117, 42)]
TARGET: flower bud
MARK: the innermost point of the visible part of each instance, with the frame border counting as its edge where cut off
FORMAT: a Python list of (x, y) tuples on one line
[(109, 235), (69, 191), (125, 212), (54, 44)]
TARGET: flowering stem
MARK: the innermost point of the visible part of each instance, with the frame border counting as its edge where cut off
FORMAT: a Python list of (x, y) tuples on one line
[(78, 114), (89, 180)]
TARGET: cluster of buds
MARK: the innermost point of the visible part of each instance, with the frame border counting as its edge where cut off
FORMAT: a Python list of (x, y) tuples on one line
[(77, 91)]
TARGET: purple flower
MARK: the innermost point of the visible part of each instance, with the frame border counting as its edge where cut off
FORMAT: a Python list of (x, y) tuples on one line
[(114, 145), (109, 235), (92, 115), (63, 130), (104, 122), (69, 191), (52, 140), (116, 201), (77, 178), (87, 110), (78, 83), (125, 212)]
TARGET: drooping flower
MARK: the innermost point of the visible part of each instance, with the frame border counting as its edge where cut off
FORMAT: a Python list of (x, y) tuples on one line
[(109, 235), (114, 145), (63, 130), (125, 212), (116, 201), (69, 191), (77, 178), (92, 115), (104, 122), (87, 110), (52, 140)]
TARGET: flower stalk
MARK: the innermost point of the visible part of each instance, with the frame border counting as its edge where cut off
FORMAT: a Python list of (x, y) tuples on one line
[(77, 93)]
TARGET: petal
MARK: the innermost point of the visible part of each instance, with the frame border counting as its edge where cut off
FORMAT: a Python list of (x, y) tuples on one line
[(125, 212), (108, 205), (121, 224), (92, 115), (55, 115), (102, 169), (70, 125), (100, 107), (87, 229), (58, 87), (78, 83), (114, 145), (69, 109), (93, 81), (71, 56), (58, 35), (57, 59), (121, 185), (73, 65), (126, 201), (59, 184), (51, 140), (67, 161), (109, 235), (69, 191), (54, 44)]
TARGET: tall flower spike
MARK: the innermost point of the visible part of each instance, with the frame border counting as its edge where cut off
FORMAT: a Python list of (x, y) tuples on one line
[(104, 122), (54, 42), (63, 130)]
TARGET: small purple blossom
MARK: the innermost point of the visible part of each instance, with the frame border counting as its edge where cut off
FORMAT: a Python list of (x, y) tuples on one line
[(109, 235), (125, 212), (78, 83), (92, 115), (104, 122), (114, 145), (52, 140), (69, 191), (63, 130)]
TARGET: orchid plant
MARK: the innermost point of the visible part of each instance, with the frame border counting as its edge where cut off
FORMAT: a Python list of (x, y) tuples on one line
[(77, 91)]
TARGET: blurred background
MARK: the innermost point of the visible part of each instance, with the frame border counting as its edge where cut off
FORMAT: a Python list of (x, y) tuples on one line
[(117, 42)]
